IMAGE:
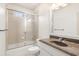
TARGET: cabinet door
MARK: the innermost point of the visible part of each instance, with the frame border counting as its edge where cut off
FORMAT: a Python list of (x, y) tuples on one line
[(43, 52)]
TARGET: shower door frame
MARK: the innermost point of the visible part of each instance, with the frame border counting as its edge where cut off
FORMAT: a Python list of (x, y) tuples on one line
[(7, 27)]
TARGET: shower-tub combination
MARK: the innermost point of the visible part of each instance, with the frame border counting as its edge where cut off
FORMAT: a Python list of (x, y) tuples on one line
[(20, 30)]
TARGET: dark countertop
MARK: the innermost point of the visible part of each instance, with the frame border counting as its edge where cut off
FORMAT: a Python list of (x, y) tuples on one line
[(72, 48)]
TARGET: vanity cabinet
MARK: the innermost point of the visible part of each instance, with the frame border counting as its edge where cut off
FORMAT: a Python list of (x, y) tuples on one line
[(43, 52), (46, 50)]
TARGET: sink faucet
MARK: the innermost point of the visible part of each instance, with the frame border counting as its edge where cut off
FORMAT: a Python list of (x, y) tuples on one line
[(61, 39)]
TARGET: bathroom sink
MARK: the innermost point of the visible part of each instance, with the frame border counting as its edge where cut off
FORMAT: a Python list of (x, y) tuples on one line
[(60, 43)]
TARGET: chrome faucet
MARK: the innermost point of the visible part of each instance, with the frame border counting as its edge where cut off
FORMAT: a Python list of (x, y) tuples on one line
[(61, 39)]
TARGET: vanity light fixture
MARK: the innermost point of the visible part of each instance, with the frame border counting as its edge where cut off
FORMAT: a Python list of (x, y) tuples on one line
[(56, 6)]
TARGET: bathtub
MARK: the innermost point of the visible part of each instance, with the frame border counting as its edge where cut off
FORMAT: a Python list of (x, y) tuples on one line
[(21, 44), (21, 51)]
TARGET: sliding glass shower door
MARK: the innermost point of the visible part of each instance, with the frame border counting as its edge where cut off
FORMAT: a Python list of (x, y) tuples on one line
[(19, 29)]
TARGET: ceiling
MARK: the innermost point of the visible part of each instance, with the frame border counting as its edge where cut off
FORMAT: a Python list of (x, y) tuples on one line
[(31, 6)]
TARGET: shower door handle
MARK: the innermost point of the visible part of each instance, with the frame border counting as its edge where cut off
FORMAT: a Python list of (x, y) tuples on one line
[(4, 30)]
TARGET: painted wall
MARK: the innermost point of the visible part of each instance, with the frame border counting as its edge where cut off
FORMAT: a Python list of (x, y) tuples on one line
[(43, 20)]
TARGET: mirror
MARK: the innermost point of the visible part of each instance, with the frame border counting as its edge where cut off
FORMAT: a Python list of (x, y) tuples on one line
[(65, 20)]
